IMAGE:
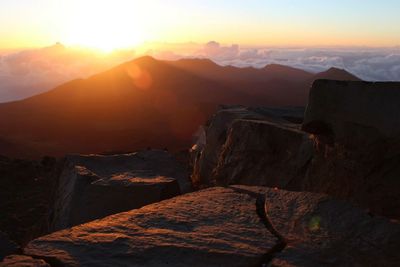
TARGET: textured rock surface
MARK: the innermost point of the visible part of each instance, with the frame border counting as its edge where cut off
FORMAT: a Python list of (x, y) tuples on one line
[(94, 186), (354, 111), (219, 227), (214, 227), (346, 156), (22, 261), (7, 246), (206, 157), (263, 153), (322, 231)]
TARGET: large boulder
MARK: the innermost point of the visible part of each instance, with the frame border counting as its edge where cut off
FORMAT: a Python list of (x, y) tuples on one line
[(323, 231), (94, 186), (223, 227), (354, 112), (214, 227), (206, 156), (7, 246), (263, 153), (356, 129), (339, 151)]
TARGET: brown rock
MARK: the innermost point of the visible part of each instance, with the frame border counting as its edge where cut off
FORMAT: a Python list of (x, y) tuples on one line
[(213, 227), (207, 156), (94, 186), (220, 227), (22, 261), (263, 153)]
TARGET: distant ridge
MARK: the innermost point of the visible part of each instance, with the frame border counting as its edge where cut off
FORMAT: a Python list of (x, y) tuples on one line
[(145, 103)]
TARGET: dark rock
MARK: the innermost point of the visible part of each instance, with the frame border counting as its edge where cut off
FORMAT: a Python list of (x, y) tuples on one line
[(322, 231), (23, 261), (7, 246), (350, 151), (94, 186), (220, 227), (25, 190), (354, 112)]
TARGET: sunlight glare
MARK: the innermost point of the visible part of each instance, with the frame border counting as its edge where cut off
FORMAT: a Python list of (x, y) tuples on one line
[(104, 25)]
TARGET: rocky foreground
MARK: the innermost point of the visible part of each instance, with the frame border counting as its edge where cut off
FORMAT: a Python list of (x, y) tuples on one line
[(220, 227), (276, 187), (348, 146)]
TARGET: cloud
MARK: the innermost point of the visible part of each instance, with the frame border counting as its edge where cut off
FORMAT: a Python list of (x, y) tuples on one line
[(371, 64), (216, 51), (30, 72)]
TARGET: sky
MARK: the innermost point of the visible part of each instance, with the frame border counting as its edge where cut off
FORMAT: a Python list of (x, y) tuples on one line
[(360, 36), (110, 24)]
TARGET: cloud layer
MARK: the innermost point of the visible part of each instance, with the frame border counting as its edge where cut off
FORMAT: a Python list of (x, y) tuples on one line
[(371, 64), (30, 72), (26, 73)]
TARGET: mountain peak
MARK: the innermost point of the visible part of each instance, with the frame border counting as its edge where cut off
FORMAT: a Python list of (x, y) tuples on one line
[(334, 69), (334, 73), (198, 61), (144, 59)]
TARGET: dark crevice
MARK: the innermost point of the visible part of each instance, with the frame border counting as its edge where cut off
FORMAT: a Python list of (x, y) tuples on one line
[(281, 240), (53, 262), (261, 211)]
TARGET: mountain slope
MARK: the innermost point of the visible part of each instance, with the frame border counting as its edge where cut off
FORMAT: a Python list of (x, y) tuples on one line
[(336, 74), (142, 103)]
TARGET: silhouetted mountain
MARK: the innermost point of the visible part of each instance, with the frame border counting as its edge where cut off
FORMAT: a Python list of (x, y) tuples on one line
[(336, 74), (143, 103)]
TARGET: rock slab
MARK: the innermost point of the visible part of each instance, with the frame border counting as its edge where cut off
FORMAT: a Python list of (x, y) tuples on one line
[(220, 227), (94, 186)]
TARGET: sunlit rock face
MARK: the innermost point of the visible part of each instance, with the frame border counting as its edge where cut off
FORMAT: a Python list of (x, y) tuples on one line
[(220, 227), (263, 153), (94, 186), (207, 157)]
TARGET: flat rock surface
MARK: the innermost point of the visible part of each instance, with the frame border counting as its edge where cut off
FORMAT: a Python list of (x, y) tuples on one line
[(213, 227), (220, 227), (94, 186), (322, 231)]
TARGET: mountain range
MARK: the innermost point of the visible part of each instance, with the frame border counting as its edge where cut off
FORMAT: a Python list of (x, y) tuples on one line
[(144, 103)]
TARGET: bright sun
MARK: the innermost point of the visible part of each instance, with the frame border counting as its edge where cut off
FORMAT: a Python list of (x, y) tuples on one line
[(105, 25)]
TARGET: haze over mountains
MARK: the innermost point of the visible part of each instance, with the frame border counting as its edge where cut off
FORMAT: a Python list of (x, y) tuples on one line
[(144, 103), (27, 72)]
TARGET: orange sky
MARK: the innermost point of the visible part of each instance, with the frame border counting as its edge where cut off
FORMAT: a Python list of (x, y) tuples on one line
[(124, 23)]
